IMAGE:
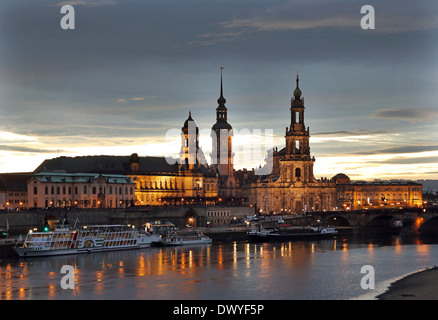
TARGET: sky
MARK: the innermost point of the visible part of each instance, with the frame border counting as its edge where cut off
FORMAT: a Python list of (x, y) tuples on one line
[(124, 80)]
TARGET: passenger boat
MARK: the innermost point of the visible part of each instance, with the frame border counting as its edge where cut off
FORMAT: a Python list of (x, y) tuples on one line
[(158, 229), (286, 233), (183, 238), (65, 240)]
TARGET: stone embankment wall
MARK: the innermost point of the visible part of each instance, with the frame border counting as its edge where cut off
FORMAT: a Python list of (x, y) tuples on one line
[(21, 221)]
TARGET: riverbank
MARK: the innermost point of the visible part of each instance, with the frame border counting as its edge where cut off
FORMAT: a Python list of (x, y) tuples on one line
[(421, 285)]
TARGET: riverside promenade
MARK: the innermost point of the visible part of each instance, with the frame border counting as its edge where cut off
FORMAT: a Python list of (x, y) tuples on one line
[(421, 285)]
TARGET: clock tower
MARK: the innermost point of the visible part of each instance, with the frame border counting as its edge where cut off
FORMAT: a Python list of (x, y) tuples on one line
[(296, 166)]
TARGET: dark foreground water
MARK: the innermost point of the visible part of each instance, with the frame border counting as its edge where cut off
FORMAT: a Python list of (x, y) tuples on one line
[(325, 269)]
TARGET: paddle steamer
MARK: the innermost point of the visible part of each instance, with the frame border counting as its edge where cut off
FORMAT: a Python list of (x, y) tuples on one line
[(72, 240)]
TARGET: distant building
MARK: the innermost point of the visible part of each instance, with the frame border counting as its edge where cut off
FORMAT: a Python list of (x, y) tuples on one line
[(359, 195), (13, 190), (80, 190), (156, 181)]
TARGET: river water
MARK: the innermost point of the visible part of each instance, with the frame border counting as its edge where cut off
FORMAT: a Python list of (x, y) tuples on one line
[(323, 269)]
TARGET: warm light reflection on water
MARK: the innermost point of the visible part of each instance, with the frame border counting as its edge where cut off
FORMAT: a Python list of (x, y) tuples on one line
[(326, 269)]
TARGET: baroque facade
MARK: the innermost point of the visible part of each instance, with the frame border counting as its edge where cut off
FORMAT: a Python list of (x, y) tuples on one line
[(80, 190), (291, 187)]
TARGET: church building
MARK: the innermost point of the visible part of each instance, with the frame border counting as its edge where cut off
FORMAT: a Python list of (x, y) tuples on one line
[(291, 185), (292, 188)]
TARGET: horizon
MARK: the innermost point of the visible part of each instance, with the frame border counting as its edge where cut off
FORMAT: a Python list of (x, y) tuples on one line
[(119, 86)]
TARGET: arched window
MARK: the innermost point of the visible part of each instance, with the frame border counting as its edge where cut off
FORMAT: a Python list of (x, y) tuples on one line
[(298, 173)]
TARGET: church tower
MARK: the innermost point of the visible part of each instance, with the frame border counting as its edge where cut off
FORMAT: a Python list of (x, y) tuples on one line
[(297, 163), (222, 135), (189, 160)]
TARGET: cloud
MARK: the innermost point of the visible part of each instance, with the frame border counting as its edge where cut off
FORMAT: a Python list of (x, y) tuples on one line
[(137, 98), (208, 39), (410, 160), (411, 115), (273, 23), (27, 150), (400, 149), (360, 132), (317, 15)]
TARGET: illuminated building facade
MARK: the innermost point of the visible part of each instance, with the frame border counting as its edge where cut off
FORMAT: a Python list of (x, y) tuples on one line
[(291, 187), (80, 190), (13, 190)]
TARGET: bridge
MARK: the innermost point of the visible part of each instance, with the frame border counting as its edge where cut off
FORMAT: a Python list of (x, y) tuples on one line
[(412, 220)]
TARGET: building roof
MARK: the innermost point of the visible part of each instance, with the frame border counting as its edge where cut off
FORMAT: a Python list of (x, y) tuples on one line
[(106, 165), (112, 165), (14, 181), (80, 177)]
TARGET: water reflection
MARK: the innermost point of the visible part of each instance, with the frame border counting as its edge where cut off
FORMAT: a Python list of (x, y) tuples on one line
[(233, 270)]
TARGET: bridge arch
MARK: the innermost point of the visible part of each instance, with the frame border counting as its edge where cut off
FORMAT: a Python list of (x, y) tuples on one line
[(337, 221), (381, 221), (428, 227)]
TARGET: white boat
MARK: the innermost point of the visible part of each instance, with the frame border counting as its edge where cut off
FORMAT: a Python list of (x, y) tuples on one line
[(180, 239), (65, 240), (158, 229)]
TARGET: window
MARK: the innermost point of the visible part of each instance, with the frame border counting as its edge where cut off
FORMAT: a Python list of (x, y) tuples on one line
[(94, 190), (46, 190), (85, 190), (298, 172)]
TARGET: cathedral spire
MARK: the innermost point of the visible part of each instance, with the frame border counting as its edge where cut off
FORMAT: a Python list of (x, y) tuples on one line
[(221, 101)]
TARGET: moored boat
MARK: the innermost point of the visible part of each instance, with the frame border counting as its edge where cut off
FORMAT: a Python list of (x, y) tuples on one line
[(291, 233), (158, 229), (65, 240), (185, 238)]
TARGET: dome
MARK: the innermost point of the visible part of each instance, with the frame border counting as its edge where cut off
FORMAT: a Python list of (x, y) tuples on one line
[(221, 100), (222, 125), (341, 178), (186, 123), (297, 91)]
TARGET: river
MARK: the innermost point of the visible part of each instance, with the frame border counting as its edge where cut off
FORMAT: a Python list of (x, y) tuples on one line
[(228, 270)]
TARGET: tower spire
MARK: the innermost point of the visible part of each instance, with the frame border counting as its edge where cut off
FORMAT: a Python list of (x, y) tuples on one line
[(297, 91), (221, 100)]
